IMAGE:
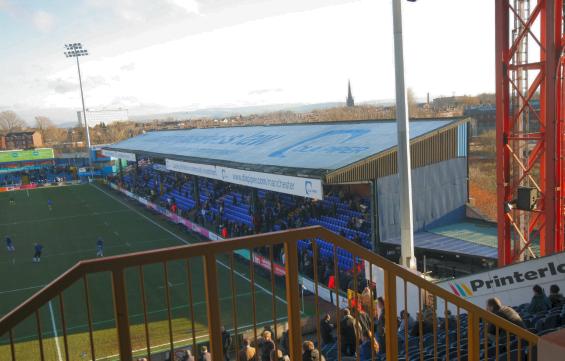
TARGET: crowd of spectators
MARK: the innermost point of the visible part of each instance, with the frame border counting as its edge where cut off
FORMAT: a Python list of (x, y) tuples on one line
[(45, 174), (268, 211)]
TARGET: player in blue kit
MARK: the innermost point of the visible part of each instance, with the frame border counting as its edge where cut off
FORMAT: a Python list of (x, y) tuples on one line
[(50, 204), (100, 247), (38, 248), (9, 244)]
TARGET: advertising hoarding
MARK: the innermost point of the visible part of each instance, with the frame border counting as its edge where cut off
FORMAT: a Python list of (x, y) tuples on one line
[(119, 155), (298, 186)]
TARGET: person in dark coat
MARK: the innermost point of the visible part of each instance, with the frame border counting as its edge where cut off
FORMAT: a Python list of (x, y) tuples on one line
[(555, 298), (348, 333), (267, 346), (540, 302), (326, 330), (226, 343), (309, 352)]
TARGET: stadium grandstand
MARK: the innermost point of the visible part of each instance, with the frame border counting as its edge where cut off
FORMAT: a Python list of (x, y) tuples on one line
[(209, 175), (312, 211), (34, 167)]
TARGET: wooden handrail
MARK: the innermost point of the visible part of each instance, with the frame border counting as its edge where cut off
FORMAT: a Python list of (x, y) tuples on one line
[(290, 238)]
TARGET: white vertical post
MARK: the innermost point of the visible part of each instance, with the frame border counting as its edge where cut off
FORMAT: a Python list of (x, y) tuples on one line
[(404, 166), (84, 110)]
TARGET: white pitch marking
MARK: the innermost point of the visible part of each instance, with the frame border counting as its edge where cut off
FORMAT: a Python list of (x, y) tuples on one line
[(55, 332)]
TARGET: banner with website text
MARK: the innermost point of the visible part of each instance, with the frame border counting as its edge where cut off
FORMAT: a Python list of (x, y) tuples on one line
[(298, 186)]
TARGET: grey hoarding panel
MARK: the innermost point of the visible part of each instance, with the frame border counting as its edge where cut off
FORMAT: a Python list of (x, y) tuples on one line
[(439, 191)]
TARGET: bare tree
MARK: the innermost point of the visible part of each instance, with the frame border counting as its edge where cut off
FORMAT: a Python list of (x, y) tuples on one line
[(46, 127), (10, 121), (43, 123)]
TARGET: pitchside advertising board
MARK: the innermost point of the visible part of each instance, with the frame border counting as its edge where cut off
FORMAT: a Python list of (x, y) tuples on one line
[(512, 284), (119, 155), (298, 186)]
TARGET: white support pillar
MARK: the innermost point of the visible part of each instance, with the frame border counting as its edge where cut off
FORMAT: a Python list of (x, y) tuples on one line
[(404, 165)]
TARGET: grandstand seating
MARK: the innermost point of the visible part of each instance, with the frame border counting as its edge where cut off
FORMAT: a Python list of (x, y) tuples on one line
[(44, 175), (240, 212)]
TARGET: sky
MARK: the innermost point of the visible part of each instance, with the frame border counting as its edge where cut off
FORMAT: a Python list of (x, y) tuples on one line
[(155, 56)]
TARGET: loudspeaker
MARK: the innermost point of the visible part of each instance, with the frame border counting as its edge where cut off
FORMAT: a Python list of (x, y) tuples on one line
[(527, 198)]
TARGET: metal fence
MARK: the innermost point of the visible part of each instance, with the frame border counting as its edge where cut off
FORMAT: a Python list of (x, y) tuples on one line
[(448, 317)]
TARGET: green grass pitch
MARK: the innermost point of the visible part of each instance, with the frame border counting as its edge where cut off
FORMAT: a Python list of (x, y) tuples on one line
[(68, 233)]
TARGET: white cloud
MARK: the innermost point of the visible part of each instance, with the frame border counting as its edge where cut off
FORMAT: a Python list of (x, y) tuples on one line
[(190, 6), (128, 67), (295, 57), (61, 86), (43, 21)]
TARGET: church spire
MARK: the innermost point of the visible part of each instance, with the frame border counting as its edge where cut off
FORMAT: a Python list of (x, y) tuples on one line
[(349, 101)]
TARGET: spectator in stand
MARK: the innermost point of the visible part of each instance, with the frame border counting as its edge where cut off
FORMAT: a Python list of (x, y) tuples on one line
[(284, 342), (205, 355), (224, 232), (555, 298), (369, 347), (247, 353), (187, 356), (331, 286), (309, 352), (357, 239), (540, 302), (363, 317), (348, 328), (267, 346), (380, 323), (226, 343), (406, 324), (508, 313), (326, 330)]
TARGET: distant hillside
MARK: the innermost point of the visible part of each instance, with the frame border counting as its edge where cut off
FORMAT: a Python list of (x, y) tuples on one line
[(218, 113)]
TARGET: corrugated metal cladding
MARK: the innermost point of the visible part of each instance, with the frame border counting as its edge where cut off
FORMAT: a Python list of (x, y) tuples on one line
[(439, 194), (445, 144)]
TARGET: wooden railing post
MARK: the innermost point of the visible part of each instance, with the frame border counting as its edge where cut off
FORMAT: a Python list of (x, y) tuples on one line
[(121, 314), (391, 322), (473, 336), (213, 306), (293, 300)]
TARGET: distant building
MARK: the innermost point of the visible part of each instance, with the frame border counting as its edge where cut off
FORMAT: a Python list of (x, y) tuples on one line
[(22, 140), (349, 101)]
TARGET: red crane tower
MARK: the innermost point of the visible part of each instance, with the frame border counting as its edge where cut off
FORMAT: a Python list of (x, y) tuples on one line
[(530, 127)]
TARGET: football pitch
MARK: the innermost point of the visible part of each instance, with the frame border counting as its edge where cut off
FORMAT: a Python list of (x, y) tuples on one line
[(68, 231)]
